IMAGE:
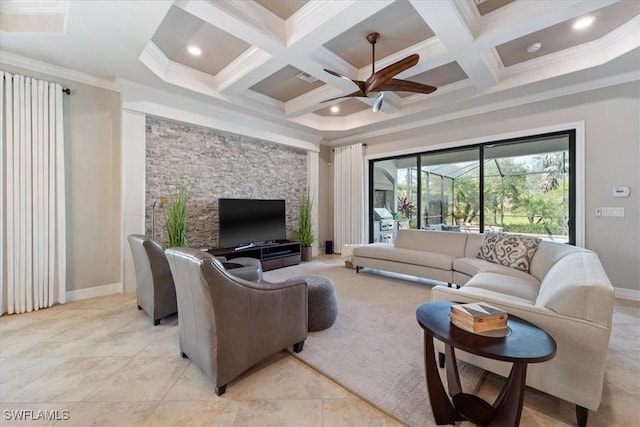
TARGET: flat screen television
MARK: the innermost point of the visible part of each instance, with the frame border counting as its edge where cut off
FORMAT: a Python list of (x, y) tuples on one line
[(246, 221)]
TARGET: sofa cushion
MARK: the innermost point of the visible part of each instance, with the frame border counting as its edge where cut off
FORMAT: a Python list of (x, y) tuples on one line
[(441, 242), (405, 256), (474, 241), (511, 250), (519, 287), (577, 286), (473, 266), (547, 255)]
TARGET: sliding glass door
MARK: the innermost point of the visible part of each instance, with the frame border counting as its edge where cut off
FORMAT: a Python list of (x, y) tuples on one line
[(450, 197), (394, 197), (524, 186)]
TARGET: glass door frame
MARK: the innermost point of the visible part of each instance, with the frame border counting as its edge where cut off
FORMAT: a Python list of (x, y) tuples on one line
[(570, 133)]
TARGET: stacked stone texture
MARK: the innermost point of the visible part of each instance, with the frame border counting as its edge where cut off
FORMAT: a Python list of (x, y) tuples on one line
[(214, 165)]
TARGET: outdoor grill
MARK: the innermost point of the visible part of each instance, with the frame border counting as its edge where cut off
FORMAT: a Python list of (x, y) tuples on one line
[(382, 225)]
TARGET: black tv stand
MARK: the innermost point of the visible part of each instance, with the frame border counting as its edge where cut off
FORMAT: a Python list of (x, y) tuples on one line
[(271, 255)]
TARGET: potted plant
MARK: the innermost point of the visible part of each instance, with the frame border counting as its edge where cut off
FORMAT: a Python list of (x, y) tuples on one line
[(176, 218), (305, 234)]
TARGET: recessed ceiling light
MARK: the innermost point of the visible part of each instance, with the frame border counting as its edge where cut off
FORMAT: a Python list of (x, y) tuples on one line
[(194, 50), (534, 47), (334, 109), (583, 22)]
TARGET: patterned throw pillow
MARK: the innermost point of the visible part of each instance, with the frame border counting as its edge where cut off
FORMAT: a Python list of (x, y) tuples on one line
[(511, 250)]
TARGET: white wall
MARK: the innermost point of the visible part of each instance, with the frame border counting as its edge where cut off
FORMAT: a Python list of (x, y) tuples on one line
[(92, 173), (612, 141)]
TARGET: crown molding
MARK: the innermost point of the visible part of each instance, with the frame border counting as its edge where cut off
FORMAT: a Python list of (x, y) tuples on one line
[(234, 18), (310, 16), (177, 74), (597, 52), (515, 20), (259, 102), (57, 71), (334, 62), (140, 98), (250, 60), (321, 21), (154, 59), (493, 63), (470, 16), (34, 7), (254, 14)]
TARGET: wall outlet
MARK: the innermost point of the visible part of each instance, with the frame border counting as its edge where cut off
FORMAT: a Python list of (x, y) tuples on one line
[(611, 211)]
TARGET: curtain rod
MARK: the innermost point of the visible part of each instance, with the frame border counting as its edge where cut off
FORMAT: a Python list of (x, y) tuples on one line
[(334, 150), (65, 90)]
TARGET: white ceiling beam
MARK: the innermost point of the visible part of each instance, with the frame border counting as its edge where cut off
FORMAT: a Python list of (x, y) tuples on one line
[(310, 101), (322, 20), (331, 61), (447, 22), (252, 66)]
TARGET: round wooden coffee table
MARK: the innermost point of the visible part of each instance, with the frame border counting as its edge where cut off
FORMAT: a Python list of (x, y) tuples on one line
[(525, 343)]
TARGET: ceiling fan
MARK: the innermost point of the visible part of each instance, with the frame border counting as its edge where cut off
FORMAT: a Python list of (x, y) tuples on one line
[(383, 80)]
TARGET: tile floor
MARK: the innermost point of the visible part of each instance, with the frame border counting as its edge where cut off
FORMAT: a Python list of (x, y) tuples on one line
[(103, 363)]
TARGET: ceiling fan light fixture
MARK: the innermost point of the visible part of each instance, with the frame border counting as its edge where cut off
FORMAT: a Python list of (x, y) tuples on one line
[(194, 50), (334, 109), (583, 22), (377, 104), (534, 47)]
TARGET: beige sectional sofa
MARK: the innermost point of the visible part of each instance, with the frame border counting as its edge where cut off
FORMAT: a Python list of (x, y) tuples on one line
[(565, 291)]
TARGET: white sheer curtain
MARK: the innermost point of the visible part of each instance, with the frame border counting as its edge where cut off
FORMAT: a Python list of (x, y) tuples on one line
[(32, 216), (348, 201)]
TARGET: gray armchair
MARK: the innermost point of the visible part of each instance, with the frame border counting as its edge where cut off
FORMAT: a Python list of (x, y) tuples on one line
[(155, 291), (227, 324), (251, 268)]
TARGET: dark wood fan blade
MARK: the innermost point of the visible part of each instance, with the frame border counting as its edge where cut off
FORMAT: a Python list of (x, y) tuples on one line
[(333, 73), (358, 83), (381, 76), (406, 86), (356, 94)]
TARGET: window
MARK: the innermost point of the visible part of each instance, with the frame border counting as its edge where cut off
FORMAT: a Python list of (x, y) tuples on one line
[(523, 185)]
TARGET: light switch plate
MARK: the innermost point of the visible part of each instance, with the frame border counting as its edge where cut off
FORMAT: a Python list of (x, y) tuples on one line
[(621, 191), (612, 211)]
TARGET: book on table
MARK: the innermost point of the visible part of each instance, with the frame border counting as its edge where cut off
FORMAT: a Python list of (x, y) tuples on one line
[(478, 317)]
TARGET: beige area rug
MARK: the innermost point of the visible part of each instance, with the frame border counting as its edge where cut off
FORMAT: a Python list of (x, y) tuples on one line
[(375, 348)]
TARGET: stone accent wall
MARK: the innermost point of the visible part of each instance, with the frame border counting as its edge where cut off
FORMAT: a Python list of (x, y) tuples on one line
[(214, 165)]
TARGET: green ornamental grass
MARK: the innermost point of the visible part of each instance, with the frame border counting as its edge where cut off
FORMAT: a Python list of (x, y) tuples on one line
[(176, 218), (305, 229)]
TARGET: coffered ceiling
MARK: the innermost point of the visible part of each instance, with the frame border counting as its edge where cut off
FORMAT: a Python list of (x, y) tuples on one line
[(267, 57)]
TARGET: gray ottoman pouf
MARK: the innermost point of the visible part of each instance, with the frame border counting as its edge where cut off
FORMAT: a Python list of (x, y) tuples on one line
[(322, 303)]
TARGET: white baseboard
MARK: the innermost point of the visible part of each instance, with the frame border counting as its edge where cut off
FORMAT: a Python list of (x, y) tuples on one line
[(96, 291), (630, 294)]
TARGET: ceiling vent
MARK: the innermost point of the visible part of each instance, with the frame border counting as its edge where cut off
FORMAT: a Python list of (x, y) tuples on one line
[(306, 77)]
